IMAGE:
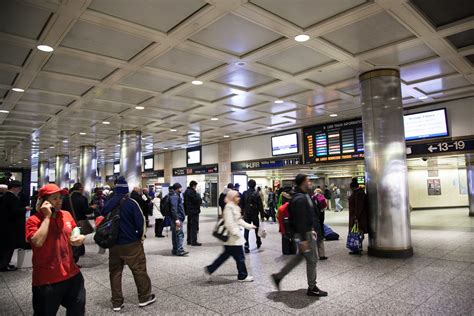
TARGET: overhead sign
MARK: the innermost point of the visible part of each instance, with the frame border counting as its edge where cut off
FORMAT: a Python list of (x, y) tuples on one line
[(428, 124), (195, 170), (153, 174), (462, 145), (266, 163)]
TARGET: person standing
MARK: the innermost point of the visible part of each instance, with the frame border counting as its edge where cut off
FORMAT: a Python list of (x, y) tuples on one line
[(223, 195), (233, 246), (305, 225), (327, 196), (57, 279), (12, 229), (136, 195), (177, 218), (192, 208), (252, 208), (358, 211), (128, 249), (320, 209), (271, 203), (159, 218)]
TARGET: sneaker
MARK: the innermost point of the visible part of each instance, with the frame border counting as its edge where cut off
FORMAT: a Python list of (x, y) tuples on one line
[(323, 258), (118, 309), (276, 281), (196, 244), (315, 291), (182, 254), (151, 300), (249, 278)]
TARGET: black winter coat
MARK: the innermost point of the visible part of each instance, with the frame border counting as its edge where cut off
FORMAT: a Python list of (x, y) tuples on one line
[(192, 202), (80, 204), (304, 214), (13, 221), (138, 198)]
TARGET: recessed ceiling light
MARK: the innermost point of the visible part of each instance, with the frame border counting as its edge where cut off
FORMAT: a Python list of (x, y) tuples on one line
[(333, 115), (4, 111), (197, 82), (18, 89), (51, 146), (65, 141), (423, 97), (215, 119), (165, 148), (82, 133), (278, 101), (301, 38), (226, 136), (240, 63), (172, 130), (106, 122), (139, 107), (101, 149), (45, 48), (25, 159), (41, 152), (269, 127)]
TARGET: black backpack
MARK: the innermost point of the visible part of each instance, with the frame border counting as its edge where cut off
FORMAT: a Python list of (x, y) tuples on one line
[(165, 206), (251, 202), (107, 232)]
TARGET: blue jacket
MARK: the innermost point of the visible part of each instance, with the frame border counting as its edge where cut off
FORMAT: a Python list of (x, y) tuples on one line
[(131, 219), (177, 208)]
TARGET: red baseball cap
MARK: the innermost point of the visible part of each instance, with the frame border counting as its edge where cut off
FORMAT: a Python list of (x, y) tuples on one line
[(49, 189)]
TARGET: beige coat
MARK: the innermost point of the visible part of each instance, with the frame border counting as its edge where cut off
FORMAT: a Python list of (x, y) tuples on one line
[(233, 221)]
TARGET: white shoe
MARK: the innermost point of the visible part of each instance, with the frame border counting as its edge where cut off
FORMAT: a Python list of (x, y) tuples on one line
[(118, 309), (151, 300), (249, 278)]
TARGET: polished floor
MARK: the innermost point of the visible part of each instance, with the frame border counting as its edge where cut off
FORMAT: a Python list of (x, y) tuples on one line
[(438, 280)]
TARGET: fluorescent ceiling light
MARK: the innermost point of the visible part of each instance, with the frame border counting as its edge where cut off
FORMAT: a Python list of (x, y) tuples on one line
[(226, 136), (172, 130), (45, 48), (4, 111), (333, 115), (18, 89), (197, 82), (82, 133), (301, 38), (423, 97), (215, 119), (139, 107), (278, 101), (106, 122)]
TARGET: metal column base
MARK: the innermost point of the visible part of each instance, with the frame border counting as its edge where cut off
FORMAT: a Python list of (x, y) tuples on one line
[(390, 253)]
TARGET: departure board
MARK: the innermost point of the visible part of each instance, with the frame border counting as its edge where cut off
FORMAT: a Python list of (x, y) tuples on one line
[(334, 142)]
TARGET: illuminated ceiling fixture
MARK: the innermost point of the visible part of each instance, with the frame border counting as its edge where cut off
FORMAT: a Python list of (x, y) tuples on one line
[(197, 82), (4, 111), (82, 133), (226, 136), (106, 122), (278, 101), (139, 107), (215, 119), (269, 127), (333, 115), (172, 130), (301, 38), (45, 48), (165, 148), (18, 89), (65, 141), (423, 97)]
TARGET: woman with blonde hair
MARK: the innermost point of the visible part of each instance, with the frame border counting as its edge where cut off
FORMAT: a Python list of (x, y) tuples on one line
[(233, 247)]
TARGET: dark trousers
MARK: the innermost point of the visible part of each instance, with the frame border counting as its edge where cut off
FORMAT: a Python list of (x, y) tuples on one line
[(235, 252), (133, 256), (193, 228), (159, 227), (6, 254), (252, 219), (271, 210), (69, 293)]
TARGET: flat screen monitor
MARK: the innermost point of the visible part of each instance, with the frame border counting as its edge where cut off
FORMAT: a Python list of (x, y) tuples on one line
[(194, 156), (116, 167), (148, 163), (285, 144), (426, 124)]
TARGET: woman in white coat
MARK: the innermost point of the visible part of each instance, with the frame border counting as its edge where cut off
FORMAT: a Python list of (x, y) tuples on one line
[(159, 219), (233, 247)]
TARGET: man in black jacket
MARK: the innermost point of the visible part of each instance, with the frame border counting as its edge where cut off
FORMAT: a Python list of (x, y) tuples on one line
[(192, 207), (306, 227), (252, 207)]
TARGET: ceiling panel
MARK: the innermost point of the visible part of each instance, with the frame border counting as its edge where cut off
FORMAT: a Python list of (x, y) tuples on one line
[(58, 85), (244, 79), (206, 93), (37, 108), (274, 108), (66, 64), (470, 58), (244, 115), (312, 98), (373, 32), (398, 57), (14, 55), (329, 76), (285, 90), (22, 19), (273, 120), (184, 62), (105, 106), (463, 39), (445, 12), (7, 77), (352, 89), (177, 104), (242, 100), (103, 41), (306, 113), (237, 41), (42, 97), (425, 69), (295, 59), (442, 84), (161, 15), (149, 82), (122, 94), (305, 13), (212, 110)]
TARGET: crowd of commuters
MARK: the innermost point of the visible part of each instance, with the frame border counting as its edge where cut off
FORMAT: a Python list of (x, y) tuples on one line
[(55, 231)]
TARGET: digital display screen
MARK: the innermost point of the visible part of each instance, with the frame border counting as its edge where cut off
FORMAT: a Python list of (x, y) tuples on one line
[(193, 156), (334, 142), (148, 163), (285, 144), (116, 167), (427, 124)]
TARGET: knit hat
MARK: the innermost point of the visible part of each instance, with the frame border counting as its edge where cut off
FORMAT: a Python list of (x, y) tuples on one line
[(176, 186), (121, 185)]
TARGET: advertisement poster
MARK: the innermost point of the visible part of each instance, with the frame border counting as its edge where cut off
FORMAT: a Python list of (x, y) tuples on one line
[(434, 186)]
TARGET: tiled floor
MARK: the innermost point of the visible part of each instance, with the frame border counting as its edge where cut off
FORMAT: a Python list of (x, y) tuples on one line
[(438, 280)]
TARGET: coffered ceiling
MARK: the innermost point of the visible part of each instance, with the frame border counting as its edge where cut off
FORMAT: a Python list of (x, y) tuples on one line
[(132, 64)]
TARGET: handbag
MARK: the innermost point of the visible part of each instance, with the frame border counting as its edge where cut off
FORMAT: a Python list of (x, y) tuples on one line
[(220, 231), (83, 224), (354, 239)]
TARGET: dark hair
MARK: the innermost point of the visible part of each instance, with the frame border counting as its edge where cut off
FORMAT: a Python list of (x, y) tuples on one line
[(14, 184), (77, 186), (252, 183), (176, 186), (354, 183), (300, 178), (230, 186), (192, 183)]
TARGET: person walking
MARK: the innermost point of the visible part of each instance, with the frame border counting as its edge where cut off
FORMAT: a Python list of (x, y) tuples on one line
[(223, 195), (327, 196), (337, 199), (305, 226), (192, 208), (252, 208), (177, 218), (321, 206), (358, 211), (128, 249), (233, 246), (159, 218), (271, 203), (12, 229), (57, 279)]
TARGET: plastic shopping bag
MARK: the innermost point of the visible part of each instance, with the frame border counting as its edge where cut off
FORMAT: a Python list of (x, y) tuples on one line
[(354, 239)]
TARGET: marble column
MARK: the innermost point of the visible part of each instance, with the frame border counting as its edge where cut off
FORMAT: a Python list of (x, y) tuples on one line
[(43, 173), (386, 166), (63, 169), (88, 168)]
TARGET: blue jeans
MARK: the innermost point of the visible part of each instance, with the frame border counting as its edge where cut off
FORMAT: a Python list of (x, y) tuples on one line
[(236, 252), (177, 238)]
